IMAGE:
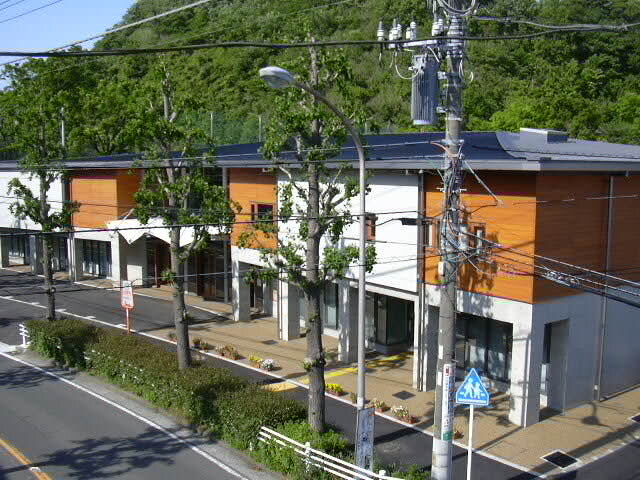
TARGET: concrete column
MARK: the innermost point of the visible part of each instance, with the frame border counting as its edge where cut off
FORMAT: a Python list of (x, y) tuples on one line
[(556, 397), (118, 259), (347, 323), (526, 366), (240, 299), (35, 247), (4, 251), (267, 298), (425, 348), (76, 260), (136, 262), (289, 312)]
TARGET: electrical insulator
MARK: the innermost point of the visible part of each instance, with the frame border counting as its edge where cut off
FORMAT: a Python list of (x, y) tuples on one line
[(412, 31), (425, 90), (381, 32)]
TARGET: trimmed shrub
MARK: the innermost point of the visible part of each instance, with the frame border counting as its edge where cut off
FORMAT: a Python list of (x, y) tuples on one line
[(287, 461), (63, 340), (242, 413), (153, 373)]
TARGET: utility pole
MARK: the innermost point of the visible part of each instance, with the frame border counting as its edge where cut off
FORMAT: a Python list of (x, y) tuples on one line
[(449, 228), (425, 100)]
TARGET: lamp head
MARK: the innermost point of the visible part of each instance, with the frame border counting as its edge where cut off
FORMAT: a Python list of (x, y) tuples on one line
[(277, 77)]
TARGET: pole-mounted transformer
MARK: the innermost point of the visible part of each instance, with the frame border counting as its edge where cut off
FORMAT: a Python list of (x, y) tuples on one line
[(425, 90)]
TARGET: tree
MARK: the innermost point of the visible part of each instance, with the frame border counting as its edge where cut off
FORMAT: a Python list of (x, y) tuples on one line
[(172, 187), (34, 103), (314, 205)]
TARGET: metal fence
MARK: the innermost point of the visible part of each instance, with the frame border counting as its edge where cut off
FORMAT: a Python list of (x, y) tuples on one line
[(318, 459)]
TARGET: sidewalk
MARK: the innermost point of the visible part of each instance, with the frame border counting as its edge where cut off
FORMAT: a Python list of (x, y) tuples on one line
[(586, 433)]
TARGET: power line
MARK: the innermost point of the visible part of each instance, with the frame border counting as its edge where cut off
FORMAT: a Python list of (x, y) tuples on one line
[(28, 12), (117, 29), (169, 42), (587, 27), (12, 5), (285, 46)]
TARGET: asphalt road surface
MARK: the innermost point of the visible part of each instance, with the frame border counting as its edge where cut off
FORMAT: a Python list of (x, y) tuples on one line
[(69, 434)]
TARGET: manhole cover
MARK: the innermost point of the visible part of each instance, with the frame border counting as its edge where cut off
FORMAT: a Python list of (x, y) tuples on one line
[(560, 459), (269, 342), (636, 418), (403, 395)]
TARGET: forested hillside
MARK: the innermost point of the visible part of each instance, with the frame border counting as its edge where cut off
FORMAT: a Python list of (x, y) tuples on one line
[(586, 83)]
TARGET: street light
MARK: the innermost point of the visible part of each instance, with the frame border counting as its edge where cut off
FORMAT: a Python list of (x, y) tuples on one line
[(277, 77)]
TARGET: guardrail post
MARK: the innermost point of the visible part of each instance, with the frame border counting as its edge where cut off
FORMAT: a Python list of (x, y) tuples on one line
[(307, 456), (382, 473), (22, 331)]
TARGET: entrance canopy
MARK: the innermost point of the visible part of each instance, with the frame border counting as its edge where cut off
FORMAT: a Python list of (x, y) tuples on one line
[(132, 230)]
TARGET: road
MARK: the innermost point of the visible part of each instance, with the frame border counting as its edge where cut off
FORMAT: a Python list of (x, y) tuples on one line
[(69, 434), (394, 443)]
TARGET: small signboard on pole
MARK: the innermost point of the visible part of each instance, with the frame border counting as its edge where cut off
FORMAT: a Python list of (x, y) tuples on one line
[(364, 438), (126, 300), (472, 392)]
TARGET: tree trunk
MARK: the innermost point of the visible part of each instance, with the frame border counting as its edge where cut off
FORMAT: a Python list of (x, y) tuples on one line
[(179, 308), (47, 252), (312, 291)]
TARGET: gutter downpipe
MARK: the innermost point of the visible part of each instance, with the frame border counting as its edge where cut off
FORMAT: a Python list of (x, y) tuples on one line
[(603, 311)]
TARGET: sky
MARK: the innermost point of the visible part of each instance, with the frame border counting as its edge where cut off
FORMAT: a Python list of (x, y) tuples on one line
[(58, 24)]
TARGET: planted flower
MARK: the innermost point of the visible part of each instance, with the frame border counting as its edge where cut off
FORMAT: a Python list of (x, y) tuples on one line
[(268, 364), (335, 388)]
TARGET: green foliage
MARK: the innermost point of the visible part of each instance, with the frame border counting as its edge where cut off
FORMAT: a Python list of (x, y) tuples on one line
[(65, 341), (290, 463), (243, 412)]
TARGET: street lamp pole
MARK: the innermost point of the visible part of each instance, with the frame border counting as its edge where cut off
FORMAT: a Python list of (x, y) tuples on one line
[(279, 78)]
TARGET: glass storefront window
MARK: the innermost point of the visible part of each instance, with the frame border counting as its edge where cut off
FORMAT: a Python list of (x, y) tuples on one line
[(485, 345), (96, 258), (331, 303), (393, 320)]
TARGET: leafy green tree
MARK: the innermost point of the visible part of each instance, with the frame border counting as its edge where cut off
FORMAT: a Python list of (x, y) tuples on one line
[(33, 104), (314, 205), (179, 190)]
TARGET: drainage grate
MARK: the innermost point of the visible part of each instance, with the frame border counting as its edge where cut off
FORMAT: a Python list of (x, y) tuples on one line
[(403, 395), (560, 459), (636, 418)]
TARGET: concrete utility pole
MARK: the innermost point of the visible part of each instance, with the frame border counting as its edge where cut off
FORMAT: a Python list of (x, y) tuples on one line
[(449, 228)]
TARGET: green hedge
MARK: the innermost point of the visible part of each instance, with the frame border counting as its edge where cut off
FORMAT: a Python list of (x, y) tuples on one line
[(243, 412), (64, 340), (200, 394)]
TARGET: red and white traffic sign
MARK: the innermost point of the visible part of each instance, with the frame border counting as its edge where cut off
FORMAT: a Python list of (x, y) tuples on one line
[(126, 295)]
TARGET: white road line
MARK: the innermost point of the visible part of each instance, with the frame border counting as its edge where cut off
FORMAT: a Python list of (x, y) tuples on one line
[(172, 435)]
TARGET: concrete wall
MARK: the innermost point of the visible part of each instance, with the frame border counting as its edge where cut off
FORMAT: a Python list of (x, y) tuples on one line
[(7, 219)]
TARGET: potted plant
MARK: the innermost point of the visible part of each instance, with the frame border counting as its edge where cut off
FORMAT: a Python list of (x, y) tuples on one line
[(380, 405), (197, 343), (335, 389), (255, 361), (205, 346), (268, 364), (171, 336), (402, 413), (230, 352)]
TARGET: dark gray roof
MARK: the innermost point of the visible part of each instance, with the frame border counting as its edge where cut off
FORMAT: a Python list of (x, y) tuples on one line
[(528, 150)]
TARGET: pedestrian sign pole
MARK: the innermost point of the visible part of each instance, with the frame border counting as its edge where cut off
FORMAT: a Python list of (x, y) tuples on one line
[(126, 300), (472, 392)]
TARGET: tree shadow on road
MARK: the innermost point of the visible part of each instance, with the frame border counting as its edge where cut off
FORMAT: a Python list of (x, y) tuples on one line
[(116, 457)]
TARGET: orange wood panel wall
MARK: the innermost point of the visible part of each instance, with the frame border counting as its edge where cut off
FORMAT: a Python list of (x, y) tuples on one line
[(625, 248), (571, 231), (511, 224), (249, 186), (128, 184), (103, 196), (97, 194)]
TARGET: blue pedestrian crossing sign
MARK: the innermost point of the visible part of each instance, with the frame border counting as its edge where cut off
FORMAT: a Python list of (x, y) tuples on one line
[(472, 391)]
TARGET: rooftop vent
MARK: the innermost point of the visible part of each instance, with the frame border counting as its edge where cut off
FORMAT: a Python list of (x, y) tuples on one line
[(550, 136), (560, 459)]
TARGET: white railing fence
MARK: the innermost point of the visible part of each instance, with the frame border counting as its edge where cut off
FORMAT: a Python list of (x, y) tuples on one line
[(318, 459), (24, 333)]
